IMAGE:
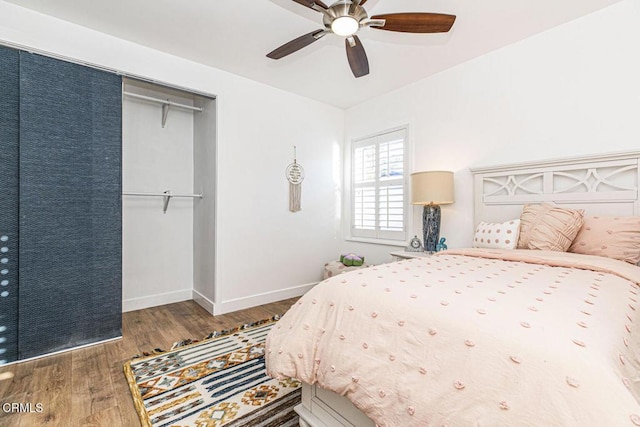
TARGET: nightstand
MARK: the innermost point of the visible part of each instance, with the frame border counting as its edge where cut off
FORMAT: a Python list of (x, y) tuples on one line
[(400, 255)]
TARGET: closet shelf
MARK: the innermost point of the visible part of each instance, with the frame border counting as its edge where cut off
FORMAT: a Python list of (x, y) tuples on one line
[(166, 103), (166, 195)]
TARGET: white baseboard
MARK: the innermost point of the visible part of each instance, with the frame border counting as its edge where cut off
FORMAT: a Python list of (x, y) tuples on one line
[(63, 351), (203, 301), (154, 300), (213, 307), (260, 299)]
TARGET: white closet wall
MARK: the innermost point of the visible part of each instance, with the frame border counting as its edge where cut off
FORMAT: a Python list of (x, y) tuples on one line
[(157, 247), (204, 213)]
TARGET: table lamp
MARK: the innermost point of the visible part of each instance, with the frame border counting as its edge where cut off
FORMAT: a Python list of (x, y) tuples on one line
[(431, 189)]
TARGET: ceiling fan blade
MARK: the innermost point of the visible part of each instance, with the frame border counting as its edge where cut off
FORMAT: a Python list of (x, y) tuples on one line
[(295, 44), (416, 22), (310, 3), (355, 4), (357, 57)]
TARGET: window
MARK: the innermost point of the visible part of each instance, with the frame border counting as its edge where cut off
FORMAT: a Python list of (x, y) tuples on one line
[(379, 186)]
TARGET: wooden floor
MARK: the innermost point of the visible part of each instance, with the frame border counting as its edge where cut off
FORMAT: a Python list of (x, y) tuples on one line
[(87, 387)]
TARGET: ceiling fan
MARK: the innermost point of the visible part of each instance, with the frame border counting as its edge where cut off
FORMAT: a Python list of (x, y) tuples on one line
[(345, 17)]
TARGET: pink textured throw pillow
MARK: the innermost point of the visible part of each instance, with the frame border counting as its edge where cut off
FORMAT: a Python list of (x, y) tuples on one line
[(616, 237), (548, 227)]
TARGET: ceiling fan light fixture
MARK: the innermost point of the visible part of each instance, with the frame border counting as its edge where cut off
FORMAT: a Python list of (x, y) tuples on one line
[(345, 26), (345, 17)]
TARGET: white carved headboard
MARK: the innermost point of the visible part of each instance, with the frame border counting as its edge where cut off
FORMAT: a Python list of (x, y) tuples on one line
[(605, 184)]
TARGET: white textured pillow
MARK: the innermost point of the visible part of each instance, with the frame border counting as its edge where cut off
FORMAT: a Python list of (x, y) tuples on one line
[(501, 235)]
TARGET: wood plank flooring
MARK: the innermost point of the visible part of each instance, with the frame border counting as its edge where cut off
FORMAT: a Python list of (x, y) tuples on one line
[(87, 387)]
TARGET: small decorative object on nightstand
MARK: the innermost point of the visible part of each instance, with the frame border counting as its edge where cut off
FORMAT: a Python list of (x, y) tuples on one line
[(441, 246), (414, 245)]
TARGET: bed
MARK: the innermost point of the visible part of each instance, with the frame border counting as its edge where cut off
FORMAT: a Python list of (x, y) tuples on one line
[(481, 336)]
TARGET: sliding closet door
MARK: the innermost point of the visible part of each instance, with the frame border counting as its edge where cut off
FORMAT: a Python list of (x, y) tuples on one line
[(70, 211), (9, 199)]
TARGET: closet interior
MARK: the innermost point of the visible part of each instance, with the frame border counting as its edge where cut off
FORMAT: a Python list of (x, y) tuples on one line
[(168, 204)]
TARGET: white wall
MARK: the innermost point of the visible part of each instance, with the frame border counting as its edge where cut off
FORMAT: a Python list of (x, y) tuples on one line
[(572, 90), (261, 245), (264, 252)]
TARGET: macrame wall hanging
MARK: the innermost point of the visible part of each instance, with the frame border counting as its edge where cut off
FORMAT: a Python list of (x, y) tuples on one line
[(295, 175)]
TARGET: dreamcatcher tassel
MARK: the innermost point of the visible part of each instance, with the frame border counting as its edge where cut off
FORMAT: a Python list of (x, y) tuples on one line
[(295, 175), (295, 196)]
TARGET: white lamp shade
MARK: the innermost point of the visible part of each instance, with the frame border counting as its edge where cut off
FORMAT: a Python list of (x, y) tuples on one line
[(432, 188)]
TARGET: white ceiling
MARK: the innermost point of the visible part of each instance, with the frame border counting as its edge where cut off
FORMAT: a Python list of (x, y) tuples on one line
[(235, 35)]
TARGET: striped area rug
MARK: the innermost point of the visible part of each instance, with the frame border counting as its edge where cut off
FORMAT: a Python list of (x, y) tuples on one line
[(220, 381)]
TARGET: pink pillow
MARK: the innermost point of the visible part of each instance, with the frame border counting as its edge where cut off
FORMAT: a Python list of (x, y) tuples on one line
[(615, 237), (503, 235), (548, 227)]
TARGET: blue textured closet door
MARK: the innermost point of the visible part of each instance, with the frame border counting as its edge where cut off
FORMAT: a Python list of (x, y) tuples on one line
[(9, 199), (70, 210)]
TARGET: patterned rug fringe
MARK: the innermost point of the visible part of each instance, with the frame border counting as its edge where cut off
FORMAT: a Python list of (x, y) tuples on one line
[(225, 332), (214, 334), (219, 380)]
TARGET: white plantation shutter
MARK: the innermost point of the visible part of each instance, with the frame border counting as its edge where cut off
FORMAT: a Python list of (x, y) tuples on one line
[(378, 186)]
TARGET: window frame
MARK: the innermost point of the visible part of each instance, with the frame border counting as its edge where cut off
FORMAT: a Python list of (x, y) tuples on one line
[(377, 236)]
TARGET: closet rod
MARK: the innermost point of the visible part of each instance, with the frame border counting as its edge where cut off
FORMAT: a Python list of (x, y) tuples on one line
[(163, 101), (198, 196)]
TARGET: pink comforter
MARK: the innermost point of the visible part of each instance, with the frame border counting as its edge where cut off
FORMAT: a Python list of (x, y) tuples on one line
[(473, 338)]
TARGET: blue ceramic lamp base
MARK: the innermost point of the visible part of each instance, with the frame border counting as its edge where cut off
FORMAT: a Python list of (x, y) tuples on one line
[(431, 227)]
